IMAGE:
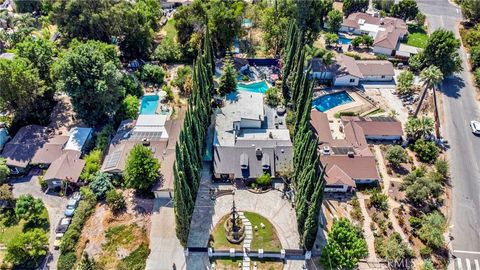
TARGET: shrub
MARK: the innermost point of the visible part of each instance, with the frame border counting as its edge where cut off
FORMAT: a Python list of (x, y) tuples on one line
[(129, 108), (379, 200), (405, 82), (103, 137), (136, 260), (433, 227), (169, 93), (426, 151), (477, 77), (425, 252), (168, 51), (330, 38), (272, 96), (42, 182), (4, 170), (100, 184), (396, 155), (264, 180), (442, 168), (115, 200), (66, 261), (92, 165), (84, 210), (184, 80), (415, 222), (132, 85), (152, 74)]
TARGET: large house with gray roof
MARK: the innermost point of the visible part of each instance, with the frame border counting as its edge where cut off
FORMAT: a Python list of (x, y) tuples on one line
[(250, 139)]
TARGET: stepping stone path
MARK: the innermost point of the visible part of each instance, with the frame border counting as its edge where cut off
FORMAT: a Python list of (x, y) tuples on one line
[(247, 241)]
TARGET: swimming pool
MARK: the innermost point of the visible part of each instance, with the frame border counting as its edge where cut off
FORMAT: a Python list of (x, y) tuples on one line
[(344, 40), (257, 87), (327, 102), (149, 104)]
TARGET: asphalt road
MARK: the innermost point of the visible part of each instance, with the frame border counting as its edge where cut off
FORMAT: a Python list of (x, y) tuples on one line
[(460, 107)]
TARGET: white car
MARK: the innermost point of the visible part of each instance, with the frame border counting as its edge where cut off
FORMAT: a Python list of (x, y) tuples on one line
[(475, 125)]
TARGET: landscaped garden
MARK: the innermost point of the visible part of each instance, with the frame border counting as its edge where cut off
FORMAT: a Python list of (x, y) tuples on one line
[(264, 237)]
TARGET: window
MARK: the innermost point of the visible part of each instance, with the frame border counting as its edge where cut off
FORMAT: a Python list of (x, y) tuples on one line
[(352, 80)]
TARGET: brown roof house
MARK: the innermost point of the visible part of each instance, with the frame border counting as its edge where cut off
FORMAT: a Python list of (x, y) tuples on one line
[(150, 131), (387, 32), (346, 71), (35, 145), (348, 160)]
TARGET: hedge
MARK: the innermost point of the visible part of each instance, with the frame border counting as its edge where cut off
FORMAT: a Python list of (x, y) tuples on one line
[(70, 238)]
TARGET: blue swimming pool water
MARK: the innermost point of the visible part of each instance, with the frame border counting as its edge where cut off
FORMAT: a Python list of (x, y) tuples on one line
[(149, 104), (344, 40), (327, 102), (257, 87)]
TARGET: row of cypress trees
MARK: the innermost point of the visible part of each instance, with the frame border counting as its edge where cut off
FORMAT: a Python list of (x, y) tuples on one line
[(308, 176), (190, 146)]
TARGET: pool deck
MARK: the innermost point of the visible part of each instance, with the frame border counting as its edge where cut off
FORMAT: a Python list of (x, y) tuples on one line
[(359, 104)]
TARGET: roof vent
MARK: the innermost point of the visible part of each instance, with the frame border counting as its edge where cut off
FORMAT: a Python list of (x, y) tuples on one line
[(351, 154), (326, 150), (145, 142), (258, 152)]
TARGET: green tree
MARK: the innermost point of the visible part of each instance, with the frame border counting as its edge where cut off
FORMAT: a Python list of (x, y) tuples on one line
[(330, 38), (92, 162), (433, 226), (394, 249), (115, 200), (184, 80), (357, 41), (405, 83), (415, 62), (384, 5), (367, 40), (141, 169), (310, 17), (101, 184), (475, 56), (27, 6), (168, 51), (405, 9), (40, 53), (4, 171), (379, 200), (228, 79), (442, 51), (422, 191), (442, 167), (471, 9), (273, 23), (396, 155), (417, 128), (132, 85), (27, 248), (224, 21), (29, 209), (351, 6), (151, 73), (89, 74), (22, 91), (129, 108), (431, 78), (6, 193), (426, 151), (334, 19), (272, 96), (428, 265), (189, 22), (345, 246)]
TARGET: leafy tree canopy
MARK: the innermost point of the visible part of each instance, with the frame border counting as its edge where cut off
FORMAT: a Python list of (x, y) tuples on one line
[(27, 248), (4, 171), (141, 169), (405, 9), (396, 155), (335, 18), (351, 6), (441, 51), (100, 184), (228, 79), (405, 82)]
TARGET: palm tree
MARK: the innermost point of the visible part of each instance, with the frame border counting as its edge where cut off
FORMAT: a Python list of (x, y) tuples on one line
[(417, 128), (431, 77)]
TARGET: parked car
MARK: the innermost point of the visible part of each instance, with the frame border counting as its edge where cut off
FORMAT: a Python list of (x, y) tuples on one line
[(58, 241), (72, 204), (63, 225), (475, 125)]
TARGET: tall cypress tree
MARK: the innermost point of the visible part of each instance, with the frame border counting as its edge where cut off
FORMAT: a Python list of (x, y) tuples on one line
[(312, 221)]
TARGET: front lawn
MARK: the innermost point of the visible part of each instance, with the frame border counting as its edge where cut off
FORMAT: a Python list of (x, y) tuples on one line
[(267, 238), (219, 239), (232, 263)]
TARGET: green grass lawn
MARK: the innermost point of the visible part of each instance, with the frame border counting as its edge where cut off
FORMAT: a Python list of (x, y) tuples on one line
[(266, 239), (417, 36), (170, 30), (232, 263), (8, 232), (263, 238)]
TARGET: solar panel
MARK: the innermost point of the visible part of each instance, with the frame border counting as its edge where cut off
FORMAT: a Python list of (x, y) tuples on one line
[(342, 150), (150, 135), (113, 159)]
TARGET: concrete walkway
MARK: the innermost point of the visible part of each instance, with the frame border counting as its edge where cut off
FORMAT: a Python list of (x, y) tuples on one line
[(165, 248), (247, 241), (367, 232)]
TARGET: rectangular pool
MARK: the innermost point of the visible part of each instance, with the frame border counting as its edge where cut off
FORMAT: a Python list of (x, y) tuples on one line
[(257, 87), (327, 102), (344, 40), (149, 104)]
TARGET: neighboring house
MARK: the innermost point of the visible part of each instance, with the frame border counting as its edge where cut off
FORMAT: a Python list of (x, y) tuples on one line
[(250, 139), (37, 145), (4, 137), (241, 65), (376, 128), (387, 32), (150, 131), (346, 71), (348, 161)]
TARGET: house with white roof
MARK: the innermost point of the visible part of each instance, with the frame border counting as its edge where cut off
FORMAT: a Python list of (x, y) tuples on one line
[(250, 139)]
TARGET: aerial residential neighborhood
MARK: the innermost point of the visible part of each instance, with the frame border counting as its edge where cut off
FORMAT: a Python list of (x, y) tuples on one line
[(252, 135)]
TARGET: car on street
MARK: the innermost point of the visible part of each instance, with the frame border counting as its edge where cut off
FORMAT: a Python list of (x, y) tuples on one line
[(475, 125)]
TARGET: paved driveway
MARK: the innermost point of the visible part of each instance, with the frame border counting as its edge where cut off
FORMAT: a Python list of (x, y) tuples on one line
[(55, 206), (165, 248)]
